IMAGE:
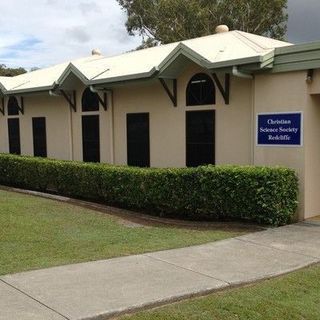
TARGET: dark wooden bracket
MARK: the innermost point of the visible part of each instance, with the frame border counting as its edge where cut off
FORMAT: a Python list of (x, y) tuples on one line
[(224, 90), (71, 98), (21, 106), (2, 109), (172, 95), (103, 101)]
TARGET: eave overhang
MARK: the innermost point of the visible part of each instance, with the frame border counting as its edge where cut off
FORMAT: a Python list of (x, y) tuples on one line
[(297, 57), (72, 69), (290, 58)]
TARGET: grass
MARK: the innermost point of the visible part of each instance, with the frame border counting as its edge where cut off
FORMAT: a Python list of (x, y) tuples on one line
[(292, 297), (38, 233)]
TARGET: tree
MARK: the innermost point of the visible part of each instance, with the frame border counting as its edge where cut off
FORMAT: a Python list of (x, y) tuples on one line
[(34, 69), (10, 72), (165, 21)]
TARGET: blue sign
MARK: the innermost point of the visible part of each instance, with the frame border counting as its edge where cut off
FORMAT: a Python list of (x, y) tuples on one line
[(279, 129)]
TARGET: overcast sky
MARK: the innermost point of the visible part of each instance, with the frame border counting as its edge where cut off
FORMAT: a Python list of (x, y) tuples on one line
[(45, 32)]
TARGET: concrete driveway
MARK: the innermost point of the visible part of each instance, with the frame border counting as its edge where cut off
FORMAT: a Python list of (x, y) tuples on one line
[(101, 289)]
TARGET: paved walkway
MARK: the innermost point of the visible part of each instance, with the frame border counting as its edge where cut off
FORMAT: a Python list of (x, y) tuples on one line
[(102, 289)]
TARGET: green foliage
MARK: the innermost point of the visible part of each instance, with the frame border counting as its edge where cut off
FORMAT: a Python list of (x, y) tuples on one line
[(260, 194), (165, 21), (10, 72)]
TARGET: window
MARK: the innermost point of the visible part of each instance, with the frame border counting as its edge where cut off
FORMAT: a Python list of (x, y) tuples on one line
[(91, 138), (200, 138), (138, 141), (90, 101), (39, 137), (201, 90), (13, 106), (14, 136)]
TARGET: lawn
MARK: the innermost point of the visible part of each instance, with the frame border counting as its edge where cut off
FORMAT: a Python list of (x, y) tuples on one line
[(292, 297), (38, 233)]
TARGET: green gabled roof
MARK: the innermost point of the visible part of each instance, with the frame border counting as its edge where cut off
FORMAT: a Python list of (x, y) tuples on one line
[(221, 50)]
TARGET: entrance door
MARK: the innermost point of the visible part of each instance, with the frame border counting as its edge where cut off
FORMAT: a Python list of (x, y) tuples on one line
[(39, 137), (138, 140), (91, 138), (200, 138), (14, 136)]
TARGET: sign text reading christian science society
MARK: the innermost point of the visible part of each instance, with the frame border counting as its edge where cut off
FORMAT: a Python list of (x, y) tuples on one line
[(279, 129)]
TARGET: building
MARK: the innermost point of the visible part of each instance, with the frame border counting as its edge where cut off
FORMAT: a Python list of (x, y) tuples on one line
[(228, 98)]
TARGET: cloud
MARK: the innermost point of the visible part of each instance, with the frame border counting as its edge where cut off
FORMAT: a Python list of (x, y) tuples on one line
[(18, 48), (88, 7), (78, 34), (26, 44), (45, 32)]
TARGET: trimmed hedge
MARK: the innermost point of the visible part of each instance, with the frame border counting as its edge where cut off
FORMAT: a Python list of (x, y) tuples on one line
[(260, 194)]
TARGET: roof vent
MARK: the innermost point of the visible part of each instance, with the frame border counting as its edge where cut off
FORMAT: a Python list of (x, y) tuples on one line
[(96, 52), (222, 28)]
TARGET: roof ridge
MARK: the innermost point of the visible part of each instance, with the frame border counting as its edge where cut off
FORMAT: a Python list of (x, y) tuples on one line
[(165, 45), (242, 35), (141, 50)]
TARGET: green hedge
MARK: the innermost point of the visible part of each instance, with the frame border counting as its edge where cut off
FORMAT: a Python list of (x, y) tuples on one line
[(261, 194)]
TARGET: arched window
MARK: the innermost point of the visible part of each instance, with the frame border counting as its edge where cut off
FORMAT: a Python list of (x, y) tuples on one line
[(13, 106), (90, 101), (201, 90)]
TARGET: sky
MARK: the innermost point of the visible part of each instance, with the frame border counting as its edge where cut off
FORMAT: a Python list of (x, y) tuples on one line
[(40, 33)]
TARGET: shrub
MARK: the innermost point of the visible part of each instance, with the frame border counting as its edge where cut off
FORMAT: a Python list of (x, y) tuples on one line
[(260, 194)]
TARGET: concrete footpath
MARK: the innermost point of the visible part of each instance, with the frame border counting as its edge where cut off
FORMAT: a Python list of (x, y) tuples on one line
[(102, 289)]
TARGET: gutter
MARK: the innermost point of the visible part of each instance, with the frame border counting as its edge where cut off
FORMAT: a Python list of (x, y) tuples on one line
[(240, 74), (53, 94), (93, 89)]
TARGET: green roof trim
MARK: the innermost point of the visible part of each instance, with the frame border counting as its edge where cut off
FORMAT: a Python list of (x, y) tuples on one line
[(297, 57), (182, 49), (136, 76), (31, 90), (72, 69)]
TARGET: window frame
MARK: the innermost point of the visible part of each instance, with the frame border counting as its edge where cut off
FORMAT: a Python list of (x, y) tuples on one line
[(208, 99), (87, 98), (13, 110)]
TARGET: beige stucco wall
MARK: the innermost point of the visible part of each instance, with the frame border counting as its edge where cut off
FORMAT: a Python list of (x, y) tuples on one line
[(291, 92), (314, 85), (282, 92), (235, 125), (312, 156), (4, 143), (57, 115), (167, 123), (64, 127)]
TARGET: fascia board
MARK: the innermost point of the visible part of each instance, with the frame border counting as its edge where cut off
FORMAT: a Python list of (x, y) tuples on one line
[(182, 49), (136, 76), (298, 48), (296, 66), (72, 69), (236, 62), (31, 90)]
